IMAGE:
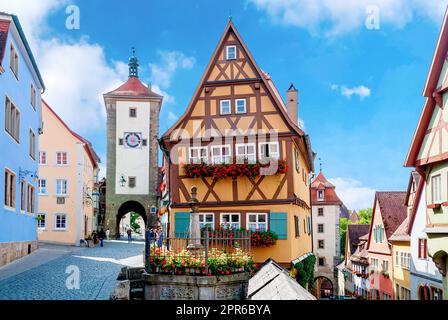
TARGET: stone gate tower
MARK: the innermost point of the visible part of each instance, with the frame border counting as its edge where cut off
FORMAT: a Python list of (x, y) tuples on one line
[(132, 150)]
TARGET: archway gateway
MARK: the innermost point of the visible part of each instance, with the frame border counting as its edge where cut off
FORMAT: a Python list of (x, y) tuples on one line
[(130, 207), (323, 287)]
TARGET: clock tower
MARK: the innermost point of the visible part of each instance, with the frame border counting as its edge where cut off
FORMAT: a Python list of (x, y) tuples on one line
[(132, 150)]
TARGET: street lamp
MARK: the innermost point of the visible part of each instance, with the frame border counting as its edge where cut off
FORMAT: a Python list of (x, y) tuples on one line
[(122, 181)]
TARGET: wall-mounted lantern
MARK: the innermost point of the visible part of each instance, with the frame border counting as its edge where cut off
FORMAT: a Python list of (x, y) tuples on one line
[(122, 181)]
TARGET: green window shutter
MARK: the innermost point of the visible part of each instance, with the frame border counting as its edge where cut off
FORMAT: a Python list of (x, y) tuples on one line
[(278, 224), (181, 224)]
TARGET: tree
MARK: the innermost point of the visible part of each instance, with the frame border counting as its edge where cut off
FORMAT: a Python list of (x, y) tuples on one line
[(343, 222), (365, 216), (134, 225)]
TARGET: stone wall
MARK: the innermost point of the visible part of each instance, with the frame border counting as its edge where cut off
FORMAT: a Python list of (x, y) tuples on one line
[(182, 287), (10, 251)]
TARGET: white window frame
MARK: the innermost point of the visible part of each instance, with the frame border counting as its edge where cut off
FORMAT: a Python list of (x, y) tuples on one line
[(436, 190), (224, 224), (251, 157), (9, 200), (257, 222), (318, 211), (228, 50), (276, 155), (62, 162), (200, 159), (40, 158), (66, 188), (236, 106), (220, 156), (204, 223), (45, 221), (56, 221), (319, 198), (40, 188), (221, 107), (12, 120)]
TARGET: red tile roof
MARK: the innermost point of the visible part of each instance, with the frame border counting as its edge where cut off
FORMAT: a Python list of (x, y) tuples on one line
[(401, 234), (4, 28), (354, 217), (393, 210), (330, 196), (354, 233), (133, 88)]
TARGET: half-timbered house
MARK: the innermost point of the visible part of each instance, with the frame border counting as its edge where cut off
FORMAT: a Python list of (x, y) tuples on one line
[(235, 127)]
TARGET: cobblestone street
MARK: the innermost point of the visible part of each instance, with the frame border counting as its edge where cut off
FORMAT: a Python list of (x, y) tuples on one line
[(30, 279)]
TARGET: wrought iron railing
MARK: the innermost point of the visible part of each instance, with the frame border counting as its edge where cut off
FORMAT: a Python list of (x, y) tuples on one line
[(199, 256)]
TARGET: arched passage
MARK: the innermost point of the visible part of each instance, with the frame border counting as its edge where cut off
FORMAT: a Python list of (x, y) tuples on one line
[(129, 207), (424, 293), (324, 287)]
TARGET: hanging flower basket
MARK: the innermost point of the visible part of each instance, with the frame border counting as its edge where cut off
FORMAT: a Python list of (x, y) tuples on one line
[(218, 171)]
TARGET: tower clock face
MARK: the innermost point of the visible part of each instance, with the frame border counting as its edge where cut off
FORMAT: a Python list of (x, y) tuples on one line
[(133, 139)]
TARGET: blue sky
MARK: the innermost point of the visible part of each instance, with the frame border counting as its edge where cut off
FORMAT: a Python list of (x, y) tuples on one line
[(360, 89)]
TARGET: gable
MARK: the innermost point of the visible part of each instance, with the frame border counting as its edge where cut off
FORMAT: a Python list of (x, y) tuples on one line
[(239, 78), (377, 219)]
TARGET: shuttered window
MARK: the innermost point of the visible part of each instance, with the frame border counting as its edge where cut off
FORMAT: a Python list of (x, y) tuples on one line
[(278, 224), (181, 224)]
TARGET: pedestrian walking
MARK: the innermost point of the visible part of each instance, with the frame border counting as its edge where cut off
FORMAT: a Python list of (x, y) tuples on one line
[(160, 238), (107, 234), (101, 236), (129, 232)]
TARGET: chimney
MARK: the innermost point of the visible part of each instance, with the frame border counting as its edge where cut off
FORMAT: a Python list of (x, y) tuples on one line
[(292, 104)]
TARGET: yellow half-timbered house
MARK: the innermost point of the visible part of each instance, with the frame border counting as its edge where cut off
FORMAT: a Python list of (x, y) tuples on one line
[(236, 122)]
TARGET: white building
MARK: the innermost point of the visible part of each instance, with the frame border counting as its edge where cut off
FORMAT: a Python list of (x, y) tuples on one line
[(326, 212), (426, 280)]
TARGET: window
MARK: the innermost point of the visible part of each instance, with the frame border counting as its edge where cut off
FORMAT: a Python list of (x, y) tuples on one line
[(33, 97), (296, 157), (61, 158), (14, 61), (12, 119), (309, 224), (297, 226), (42, 157), (240, 106), (405, 260), (42, 186), (436, 293), (422, 249), (436, 191), (397, 259), (378, 233), (221, 154), (32, 145), (120, 141), (207, 220), (374, 263), (132, 182), (61, 187), (41, 221), (321, 244), (225, 107), (321, 262), (31, 202), (246, 152), (10, 189), (385, 266), (198, 155), (22, 194), (132, 112), (320, 228), (230, 220), (269, 150), (320, 212), (144, 142), (60, 221), (231, 52), (320, 195), (257, 221)]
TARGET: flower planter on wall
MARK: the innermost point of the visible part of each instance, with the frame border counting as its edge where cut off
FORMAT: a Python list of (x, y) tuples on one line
[(185, 287)]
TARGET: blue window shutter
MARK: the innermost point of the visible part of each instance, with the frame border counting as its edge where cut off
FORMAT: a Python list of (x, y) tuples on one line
[(181, 224), (278, 224)]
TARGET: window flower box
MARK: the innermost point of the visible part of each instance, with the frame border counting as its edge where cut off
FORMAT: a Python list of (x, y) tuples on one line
[(434, 206)]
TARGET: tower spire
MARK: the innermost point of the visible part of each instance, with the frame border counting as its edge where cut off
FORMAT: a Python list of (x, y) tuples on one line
[(133, 65), (320, 165)]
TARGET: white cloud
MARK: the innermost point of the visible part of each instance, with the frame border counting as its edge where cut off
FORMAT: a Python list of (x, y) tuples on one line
[(335, 17), (360, 91), (354, 195), (170, 62), (172, 116)]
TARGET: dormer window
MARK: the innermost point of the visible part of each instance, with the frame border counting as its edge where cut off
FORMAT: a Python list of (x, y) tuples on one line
[(320, 195), (231, 52)]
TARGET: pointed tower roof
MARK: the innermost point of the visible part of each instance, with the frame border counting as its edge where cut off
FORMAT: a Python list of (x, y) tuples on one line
[(330, 196), (321, 182), (133, 87)]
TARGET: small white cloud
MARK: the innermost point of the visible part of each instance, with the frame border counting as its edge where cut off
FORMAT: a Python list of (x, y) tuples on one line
[(352, 192), (170, 62), (360, 91), (172, 116), (301, 124)]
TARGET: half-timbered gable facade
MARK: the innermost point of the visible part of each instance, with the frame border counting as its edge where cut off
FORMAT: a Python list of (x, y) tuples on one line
[(428, 153), (237, 120)]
